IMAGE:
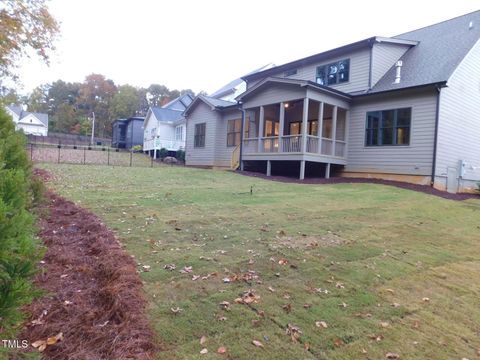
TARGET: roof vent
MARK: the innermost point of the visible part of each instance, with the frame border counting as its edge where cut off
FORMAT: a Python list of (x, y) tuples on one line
[(398, 68), (470, 25)]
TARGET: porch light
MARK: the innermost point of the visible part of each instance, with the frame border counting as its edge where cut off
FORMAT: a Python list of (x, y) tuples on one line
[(286, 105)]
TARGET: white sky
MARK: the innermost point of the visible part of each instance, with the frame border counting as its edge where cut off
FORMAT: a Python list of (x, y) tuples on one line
[(203, 44)]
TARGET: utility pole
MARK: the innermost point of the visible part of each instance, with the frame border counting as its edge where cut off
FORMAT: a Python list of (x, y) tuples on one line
[(93, 128)]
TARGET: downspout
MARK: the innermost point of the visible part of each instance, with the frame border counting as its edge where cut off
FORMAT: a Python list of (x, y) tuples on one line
[(370, 75), (241, 135), (435, 140)]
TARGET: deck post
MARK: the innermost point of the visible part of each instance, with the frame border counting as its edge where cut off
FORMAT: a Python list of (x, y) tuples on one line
[(334, 128), (302, 170), (320, 126), (327, 171), (241, 165), (261, 125), (269, 168), (281, 127), (304, 125)]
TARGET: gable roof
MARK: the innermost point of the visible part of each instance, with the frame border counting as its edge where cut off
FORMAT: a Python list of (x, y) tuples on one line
[(18, 110), (441, 47), (180, 103), (301, 83), (162, 114), (215, 104), (231, 87)]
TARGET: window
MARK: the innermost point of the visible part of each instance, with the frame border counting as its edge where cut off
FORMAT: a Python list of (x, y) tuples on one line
[(153, 131), (179, 133), (291, 72), (335, 73), (234, 129), (388, 127), (199, 137)]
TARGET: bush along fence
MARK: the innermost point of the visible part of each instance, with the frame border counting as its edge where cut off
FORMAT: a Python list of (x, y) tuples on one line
[(92, 155), (19, 251)]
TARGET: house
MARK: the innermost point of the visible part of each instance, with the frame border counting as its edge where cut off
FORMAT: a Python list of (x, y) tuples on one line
[(127, 133), (30, 123), (402, 108), (206, 146), (164, 127)]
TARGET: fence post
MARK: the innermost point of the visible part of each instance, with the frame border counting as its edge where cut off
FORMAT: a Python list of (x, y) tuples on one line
[(31, 152), (151, 160), (108, 156), (84, 155), (131, 155), (58, 159)]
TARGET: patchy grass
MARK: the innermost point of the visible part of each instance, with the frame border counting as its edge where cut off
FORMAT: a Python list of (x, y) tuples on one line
[(387, 269)]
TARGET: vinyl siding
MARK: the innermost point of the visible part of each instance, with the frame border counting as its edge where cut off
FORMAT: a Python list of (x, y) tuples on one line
[(414, 159), (359, 71), (273, 94), (205, 156), (384, 56), (459, 120)]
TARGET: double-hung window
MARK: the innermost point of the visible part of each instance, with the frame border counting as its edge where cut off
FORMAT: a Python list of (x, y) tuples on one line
[(199, 137), (179, 133), (388, 127)]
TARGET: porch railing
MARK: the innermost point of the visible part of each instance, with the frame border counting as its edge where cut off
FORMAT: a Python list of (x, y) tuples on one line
[(293, 144)]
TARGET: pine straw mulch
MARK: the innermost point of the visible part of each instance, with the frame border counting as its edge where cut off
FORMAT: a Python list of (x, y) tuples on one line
[(93, 293)]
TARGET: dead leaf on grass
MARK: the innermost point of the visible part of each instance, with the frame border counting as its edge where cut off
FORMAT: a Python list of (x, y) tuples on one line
[(338, 342), (271, 289), (294, 332), (384, 324), (204, 351), (283, 262), (287, 308), (203, 340), (321, 324), (392, 356), (41, 345), (176, 310), (225, 305), (425, 299), (222, 350), (257, 343)]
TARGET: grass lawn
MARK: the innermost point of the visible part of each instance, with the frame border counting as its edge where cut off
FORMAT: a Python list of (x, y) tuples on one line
[(385, 270)]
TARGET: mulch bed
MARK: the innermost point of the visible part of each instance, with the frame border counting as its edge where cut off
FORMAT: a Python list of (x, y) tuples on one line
[(344, 180), (93, 293)]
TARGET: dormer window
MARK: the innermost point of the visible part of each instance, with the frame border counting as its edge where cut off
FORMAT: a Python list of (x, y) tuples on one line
[(334, 73)]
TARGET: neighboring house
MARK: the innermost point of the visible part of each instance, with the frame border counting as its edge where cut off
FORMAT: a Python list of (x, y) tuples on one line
[(164, 127), (127, 133), (403, 108), (30, 123)]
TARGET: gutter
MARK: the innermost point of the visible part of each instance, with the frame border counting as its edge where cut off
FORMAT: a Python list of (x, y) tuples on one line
[(241, 136), (435, 139)]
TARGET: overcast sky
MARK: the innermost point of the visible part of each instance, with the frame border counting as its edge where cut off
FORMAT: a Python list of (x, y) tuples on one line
[(203, 44)]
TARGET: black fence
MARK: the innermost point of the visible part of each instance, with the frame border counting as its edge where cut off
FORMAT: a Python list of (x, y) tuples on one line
[(88, 155)]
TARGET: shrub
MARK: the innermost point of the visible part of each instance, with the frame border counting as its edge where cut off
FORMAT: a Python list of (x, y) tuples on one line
[(162, 153), (137, 148), (18, 249), (180, 155)]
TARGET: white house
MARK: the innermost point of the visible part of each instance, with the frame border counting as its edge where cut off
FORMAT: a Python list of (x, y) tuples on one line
[(30, 123), (165, 127)]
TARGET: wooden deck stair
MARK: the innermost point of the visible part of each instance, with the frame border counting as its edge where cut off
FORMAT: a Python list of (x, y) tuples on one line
[(235, 162)]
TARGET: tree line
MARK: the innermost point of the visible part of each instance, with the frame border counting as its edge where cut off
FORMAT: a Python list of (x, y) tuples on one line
[(70, 105)]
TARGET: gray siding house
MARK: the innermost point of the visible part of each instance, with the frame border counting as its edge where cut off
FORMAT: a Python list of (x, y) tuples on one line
[(403, 108), (127, 133)]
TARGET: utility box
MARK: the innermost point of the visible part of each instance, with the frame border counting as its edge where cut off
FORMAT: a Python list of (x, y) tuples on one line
[(462, 167)]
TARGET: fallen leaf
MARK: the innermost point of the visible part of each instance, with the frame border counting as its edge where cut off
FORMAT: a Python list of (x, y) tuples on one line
[(425, 299), (283, 262), (287, 308), (322, 324), (54, 339), (306, 346), (195, 277), (396, 304), (271, 289), (170, 267), (293, 331), (186, 269), (338, 342), (340, 285), (257, 343), (225, 305), (392, 356), (222, 350), (203, 339), (176, 310), (384, 324), (364, 351), (222, 318), (146, 268), (343, 305), (40, 344), (204, 351), (391, 291), (307, 306)]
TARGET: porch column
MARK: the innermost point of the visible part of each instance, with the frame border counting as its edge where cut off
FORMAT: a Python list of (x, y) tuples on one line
[(302, 170), (320, 127), (334, 128), (281, 127), (304, 126), (269, 168), (327, 171), (154, 148), (260, 128)]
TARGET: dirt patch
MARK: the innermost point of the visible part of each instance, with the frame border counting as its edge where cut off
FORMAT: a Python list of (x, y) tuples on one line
[(93, 291), (344, 180)]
